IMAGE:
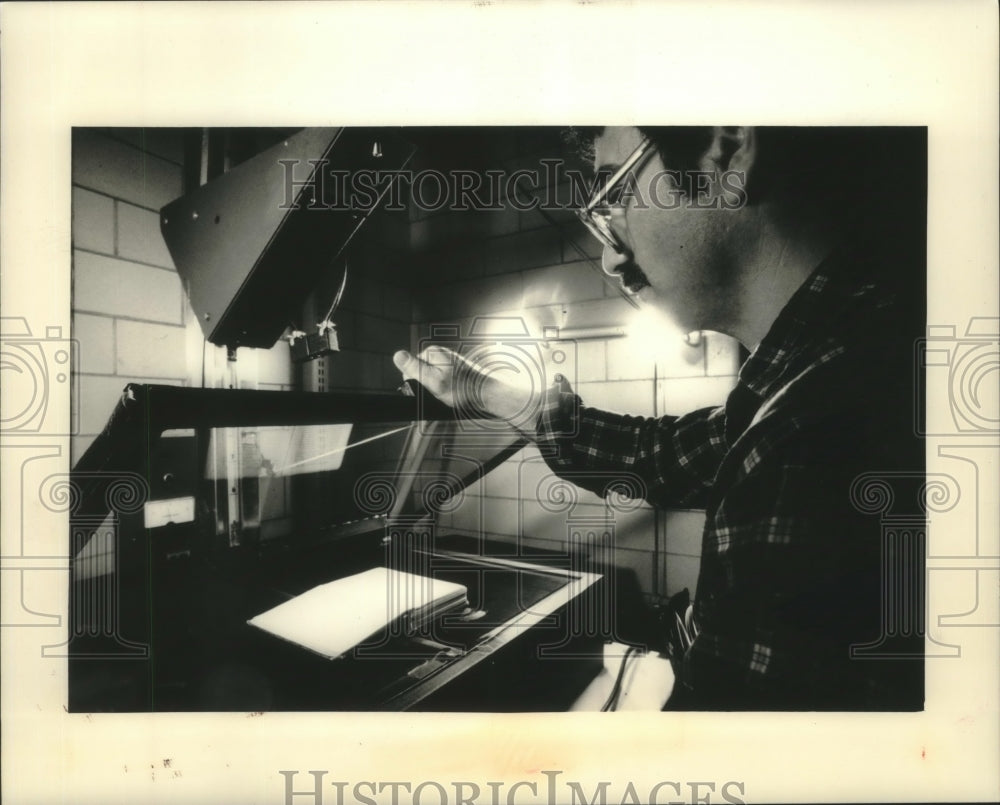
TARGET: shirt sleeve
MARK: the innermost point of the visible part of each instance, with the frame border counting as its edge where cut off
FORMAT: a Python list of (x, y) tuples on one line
[(673, 460)]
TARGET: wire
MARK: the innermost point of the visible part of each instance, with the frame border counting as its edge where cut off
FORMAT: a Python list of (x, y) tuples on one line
[(339, 296), (296, 333), (339, 449), (612, 701)]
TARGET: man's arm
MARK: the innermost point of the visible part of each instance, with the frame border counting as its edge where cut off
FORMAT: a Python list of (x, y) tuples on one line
[(674, 458)]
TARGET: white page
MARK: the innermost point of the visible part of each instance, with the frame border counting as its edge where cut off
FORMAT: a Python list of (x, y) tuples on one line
[(333, 618)]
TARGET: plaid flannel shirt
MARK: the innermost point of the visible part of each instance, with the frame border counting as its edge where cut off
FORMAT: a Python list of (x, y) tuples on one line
[(790, 569)]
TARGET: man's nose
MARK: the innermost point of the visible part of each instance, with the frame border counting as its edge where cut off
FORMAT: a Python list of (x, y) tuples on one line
[(612, 260)]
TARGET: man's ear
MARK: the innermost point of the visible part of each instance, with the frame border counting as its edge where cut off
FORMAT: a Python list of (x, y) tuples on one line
[(733, 148), (730, 157)]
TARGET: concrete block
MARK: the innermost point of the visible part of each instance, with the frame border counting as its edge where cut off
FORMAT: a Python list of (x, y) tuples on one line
[(95, 335), (521, 251), (78, 446), (167, 143), (492, 223), (355, 370), (139, 236), (149, 350), (97, 399), (534, 476), (623, 396), (391, 377), (477, 489), (628, 359), (375, 334), (643, 352), (481, 297), (432, 232), (274, 366), (93, 221), (640, 563), (451, 262), (635, 529), (578, 243), (112, 167), (542, 522), (562, 284), (466, 225), (468, 516), (499, 515), (527, 546), (361, 295), (532, 473), (556, 207), (121, 288), (683, 528), (344, 370), (397, 303), (682, 395), (722, 355), (599, 313), (502, 481), (577, 361), (537, 524), (387, 230), (679, 572)]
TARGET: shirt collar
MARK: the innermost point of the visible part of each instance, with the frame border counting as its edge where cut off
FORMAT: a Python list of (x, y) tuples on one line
[(803, 334)]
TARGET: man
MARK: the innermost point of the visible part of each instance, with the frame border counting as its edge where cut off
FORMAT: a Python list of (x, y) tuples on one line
[(806, 245)]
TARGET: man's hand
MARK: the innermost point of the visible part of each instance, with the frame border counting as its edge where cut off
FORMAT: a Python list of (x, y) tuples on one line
[(463, 384)]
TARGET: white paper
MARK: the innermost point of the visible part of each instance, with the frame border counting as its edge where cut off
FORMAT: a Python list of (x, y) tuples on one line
[(337, 616)]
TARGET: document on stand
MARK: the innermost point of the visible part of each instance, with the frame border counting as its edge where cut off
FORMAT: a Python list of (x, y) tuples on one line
[(333, 618)]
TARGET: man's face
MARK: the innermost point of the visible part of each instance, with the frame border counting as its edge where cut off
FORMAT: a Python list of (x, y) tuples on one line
[(678, 257)]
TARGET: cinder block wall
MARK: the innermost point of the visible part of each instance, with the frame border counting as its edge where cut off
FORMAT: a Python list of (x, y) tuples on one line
[(128, 310), (131, 318), (516, 264)]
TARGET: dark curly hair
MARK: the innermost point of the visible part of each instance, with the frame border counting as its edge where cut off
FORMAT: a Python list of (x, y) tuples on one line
[(820, 170), (870, 181)]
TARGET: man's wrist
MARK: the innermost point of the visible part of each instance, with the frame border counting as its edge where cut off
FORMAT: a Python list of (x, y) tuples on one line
[(557, 410), (518, 406)]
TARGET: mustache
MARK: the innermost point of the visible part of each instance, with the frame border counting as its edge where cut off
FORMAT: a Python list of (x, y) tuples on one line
[(633, 277)]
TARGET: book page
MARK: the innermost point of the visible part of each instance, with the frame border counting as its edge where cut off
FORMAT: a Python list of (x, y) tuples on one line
[(335, 617)]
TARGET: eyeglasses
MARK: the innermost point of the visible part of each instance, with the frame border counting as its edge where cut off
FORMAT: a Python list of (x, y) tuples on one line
[(596, 215)]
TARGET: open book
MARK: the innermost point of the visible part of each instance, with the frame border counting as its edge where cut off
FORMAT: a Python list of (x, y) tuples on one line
[(333, 618)]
